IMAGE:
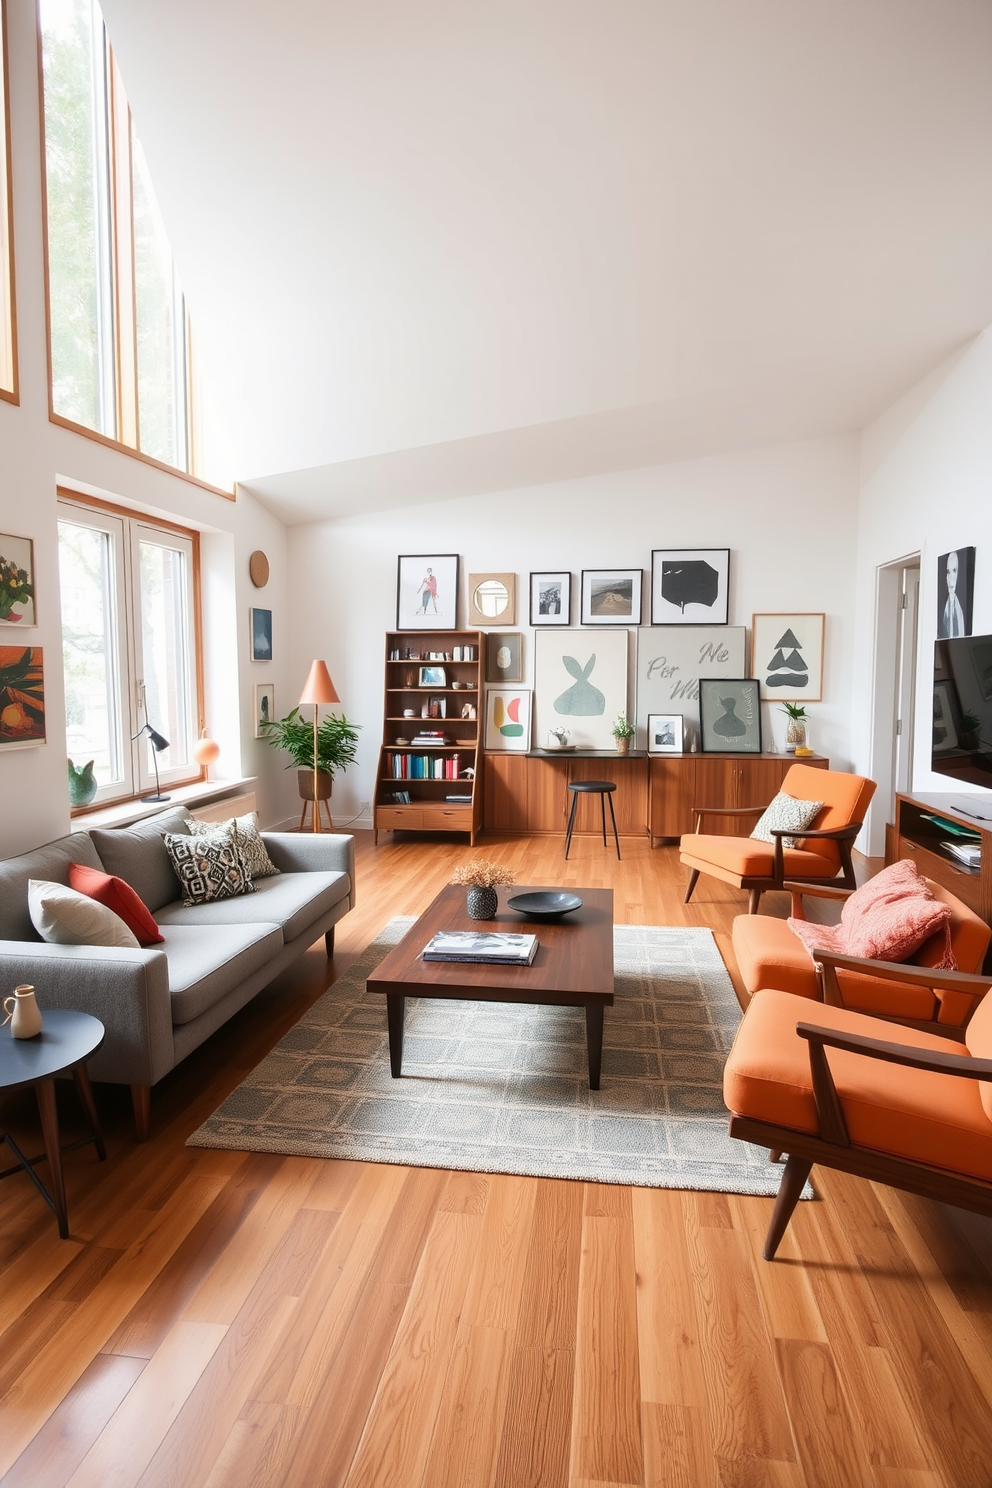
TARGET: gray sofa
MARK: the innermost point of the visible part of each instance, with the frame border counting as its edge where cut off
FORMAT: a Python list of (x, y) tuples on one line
[(158, 1004)]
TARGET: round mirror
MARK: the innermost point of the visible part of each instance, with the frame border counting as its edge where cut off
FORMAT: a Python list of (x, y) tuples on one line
[(491, 598)]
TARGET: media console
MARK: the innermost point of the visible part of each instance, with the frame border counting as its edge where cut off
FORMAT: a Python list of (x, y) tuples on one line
[(934, 831)]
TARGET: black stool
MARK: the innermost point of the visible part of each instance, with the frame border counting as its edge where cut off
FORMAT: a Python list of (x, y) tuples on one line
[(604, 790)]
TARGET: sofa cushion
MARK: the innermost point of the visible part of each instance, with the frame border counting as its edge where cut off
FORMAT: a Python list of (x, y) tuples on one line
[(783, 812), (887, 919), (208, 867), (137, 855), (292, 900), (207, 963), (742, 857), (50, 862), (118, 896), (62, 916)]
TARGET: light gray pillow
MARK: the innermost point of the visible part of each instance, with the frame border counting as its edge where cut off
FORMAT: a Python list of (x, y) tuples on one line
[(786, 812), (247, 839), (137, 855), (208, 867), (62, 916)]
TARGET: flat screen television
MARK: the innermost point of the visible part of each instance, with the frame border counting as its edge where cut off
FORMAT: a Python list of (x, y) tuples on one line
[(962, 712)]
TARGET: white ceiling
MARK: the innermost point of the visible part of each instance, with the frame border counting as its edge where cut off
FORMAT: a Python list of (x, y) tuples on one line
[(448, 246)]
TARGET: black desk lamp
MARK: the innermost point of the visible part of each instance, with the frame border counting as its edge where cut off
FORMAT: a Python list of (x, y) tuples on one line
[(158, 743)]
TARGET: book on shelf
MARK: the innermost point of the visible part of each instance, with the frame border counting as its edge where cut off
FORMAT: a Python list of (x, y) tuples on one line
[(459, 800), (486, 947)]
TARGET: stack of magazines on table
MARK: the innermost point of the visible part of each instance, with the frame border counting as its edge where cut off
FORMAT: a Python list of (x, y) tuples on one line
[(493, 948)]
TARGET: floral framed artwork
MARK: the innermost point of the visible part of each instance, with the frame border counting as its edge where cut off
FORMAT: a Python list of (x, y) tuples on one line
[(22, 697), (729, 715), (427, 591), (261, 635), (611, 596), (264, 696), (665, 733), (504, 656), (690, 586), (508, 719), (17, 581), (787, 657), (551, 599)]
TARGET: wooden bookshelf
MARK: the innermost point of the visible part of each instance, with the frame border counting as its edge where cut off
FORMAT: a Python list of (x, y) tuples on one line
[(433, 770)]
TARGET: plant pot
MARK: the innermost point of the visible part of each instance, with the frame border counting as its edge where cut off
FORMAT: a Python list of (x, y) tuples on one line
[(481, 904), (324, 783), (623, 745), (795, 734)]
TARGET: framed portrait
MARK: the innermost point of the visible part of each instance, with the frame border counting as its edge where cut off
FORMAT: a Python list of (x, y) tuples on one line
[(729, 715), (492, 599), (551, 599), (670, 661), (261, 635), (690, 586), (665, 734), (504, 656), (955, 592), (432, 676), (508, 719), (22, 697), (787, 657), (611, 596), (264, 696), (17, 581), (580, 685), (427, 591)]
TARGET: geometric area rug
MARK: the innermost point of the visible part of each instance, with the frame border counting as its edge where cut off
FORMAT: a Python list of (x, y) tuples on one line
[(503, 1087)]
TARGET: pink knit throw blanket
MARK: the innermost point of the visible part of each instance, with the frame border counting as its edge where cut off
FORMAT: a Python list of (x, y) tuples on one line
[(887, 919)]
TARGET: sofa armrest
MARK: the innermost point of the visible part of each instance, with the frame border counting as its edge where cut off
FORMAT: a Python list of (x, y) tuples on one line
[(128, 990), (313, 852)]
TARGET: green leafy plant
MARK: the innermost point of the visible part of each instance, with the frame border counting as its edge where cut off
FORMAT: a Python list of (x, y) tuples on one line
[(796, 711), (622, 728), (337, 741)]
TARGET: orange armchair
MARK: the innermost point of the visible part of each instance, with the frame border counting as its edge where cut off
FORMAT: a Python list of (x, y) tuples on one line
[(823, 853), (894, 1105)]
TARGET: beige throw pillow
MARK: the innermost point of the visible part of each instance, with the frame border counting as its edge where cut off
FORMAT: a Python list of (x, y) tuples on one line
[(786, 812), (64, 917), (247, 839)]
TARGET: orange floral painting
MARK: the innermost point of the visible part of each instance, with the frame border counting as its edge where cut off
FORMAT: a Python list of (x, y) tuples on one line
[(22, 695)]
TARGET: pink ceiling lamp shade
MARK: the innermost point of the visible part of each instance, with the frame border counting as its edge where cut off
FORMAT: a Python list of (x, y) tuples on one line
[(318, 689)]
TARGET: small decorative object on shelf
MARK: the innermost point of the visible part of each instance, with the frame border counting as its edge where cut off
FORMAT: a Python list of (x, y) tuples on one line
[(23, 1013), (795, 733), (205, 750), (482, 877), (82, 784), (623, 732)]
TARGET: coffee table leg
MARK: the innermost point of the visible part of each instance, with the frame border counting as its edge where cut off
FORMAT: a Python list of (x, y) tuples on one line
[(45, 1091), (395, 1007), (594, 1041), (84, 1090)]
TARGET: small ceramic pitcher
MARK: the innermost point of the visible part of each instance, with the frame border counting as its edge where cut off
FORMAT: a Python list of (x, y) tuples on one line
[(23, 1013)]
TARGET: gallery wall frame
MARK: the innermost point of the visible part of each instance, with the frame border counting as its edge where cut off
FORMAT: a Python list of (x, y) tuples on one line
[(427, 591), (729, 715), (260, 622), (264, 706), (665, 733), (504, 656), (611, 596), (22, 697), (551, 598), (508, 712), (492, 599), (670, 661), (17, 587), (787, 656), (955, 593), (690, 586), (580, 685)]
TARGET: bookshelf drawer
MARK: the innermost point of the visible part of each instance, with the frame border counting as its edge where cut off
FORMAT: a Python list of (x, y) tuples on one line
[(409, 818), (454, 818), (967, 886)]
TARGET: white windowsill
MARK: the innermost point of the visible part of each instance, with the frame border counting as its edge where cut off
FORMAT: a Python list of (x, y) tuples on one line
[(123, 813)]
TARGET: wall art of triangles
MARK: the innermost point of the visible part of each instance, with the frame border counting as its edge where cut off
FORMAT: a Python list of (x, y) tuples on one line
[(787, 656)]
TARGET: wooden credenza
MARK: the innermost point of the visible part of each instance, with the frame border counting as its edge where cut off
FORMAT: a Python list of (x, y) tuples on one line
[(655, 794), (924, 826)]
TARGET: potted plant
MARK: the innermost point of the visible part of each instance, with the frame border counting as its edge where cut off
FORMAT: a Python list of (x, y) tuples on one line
[(795, 733), (481, 877), (623, 732), (337, 745)]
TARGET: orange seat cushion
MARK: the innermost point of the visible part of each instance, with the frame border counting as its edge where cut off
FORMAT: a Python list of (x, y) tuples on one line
[(734, 858), (978, 1040), (916, 1114)]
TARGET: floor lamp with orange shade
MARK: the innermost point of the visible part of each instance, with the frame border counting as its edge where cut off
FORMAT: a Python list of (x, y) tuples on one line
[(318, 689)]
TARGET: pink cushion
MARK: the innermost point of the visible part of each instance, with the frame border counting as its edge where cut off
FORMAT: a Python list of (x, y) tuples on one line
[(887, 919)]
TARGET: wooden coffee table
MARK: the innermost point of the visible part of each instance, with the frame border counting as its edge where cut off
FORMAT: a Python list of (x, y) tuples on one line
[(573, 966)]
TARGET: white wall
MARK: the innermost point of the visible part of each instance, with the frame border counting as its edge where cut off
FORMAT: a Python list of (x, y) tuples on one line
[(926, 486), (35, 455), (788, 513)]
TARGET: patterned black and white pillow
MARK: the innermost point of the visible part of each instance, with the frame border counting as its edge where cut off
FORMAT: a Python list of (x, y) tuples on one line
[(247, 839), (208, 867), (786, 813)]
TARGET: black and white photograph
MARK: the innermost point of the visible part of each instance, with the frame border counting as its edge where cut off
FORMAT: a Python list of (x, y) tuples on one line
[(261, 635), (611, 596), (955, 593), (550, 598), (729, 715), (690, 586), (665, 733), (427, 591)]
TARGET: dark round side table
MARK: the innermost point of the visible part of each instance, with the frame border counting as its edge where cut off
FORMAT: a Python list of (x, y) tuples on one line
[(64, 1044)]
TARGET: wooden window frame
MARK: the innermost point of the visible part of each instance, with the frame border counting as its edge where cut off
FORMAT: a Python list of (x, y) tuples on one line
[(8, 298)]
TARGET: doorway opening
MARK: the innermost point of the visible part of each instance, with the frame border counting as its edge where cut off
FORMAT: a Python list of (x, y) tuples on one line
[(897, 605)]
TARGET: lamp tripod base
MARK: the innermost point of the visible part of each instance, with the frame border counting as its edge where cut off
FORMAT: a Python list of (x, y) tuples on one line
[(156, 798)]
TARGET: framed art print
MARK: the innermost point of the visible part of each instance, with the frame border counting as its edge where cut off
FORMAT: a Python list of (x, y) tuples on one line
[(432, 676), (550, 599), (508, 719), (16, 581), (955, 592), (504, 656), (672, 658), (611, 596), (492, 599), (787, 657), (665, 735), (264, 696), (690, 586), (427, 591), (261, 635), (729, 715), (22, 697), (580, 685)]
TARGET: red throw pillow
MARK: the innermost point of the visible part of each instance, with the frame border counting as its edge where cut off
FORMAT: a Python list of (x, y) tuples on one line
[(119, 896)]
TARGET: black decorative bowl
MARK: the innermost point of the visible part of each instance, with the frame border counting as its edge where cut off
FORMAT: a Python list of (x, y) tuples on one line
[(545, 904)]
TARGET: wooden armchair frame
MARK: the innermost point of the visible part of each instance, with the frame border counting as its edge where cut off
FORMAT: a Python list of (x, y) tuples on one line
[(756, 886)]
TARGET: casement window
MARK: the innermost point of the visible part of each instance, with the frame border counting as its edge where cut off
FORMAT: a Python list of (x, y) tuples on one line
[(8, 348), (117, 318), (129, 644)]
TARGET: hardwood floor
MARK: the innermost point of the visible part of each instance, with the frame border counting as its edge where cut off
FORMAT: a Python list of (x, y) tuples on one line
[(223, 1318)]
